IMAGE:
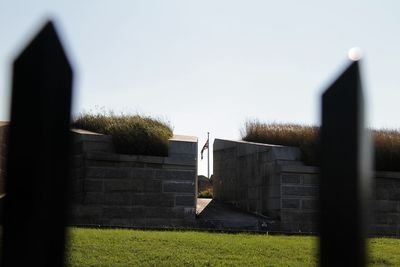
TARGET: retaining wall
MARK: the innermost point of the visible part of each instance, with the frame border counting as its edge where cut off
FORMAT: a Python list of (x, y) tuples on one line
[(112, 189), (272, 181), (127, 190)]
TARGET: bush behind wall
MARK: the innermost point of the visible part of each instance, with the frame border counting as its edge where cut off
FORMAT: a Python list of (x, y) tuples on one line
[(132, 134), (386, 142)]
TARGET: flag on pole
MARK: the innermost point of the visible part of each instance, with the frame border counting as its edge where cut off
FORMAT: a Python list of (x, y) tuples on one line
[(204, 148)]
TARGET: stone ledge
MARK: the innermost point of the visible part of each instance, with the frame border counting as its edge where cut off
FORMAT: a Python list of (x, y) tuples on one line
[(297, 169)]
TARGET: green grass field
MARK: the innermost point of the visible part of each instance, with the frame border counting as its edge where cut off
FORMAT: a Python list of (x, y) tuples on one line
[(116, 247)]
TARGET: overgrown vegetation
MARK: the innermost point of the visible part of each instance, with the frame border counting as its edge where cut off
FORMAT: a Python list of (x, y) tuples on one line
[(208, 193), (116, 247), (386, 142), (132, 134)]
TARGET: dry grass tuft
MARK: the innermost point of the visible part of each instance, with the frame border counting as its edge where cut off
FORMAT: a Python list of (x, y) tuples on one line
[(132, 134), (386, 142)]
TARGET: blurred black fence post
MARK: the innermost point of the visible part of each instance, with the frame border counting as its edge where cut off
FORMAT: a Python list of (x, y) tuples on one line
[(345, 172), (37, 170)]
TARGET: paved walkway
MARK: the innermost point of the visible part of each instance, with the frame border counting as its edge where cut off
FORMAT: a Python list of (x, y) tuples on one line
[(201, 204), (217, 215)]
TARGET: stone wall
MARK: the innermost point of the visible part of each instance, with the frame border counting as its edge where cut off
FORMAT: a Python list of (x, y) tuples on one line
[(245, 174), (272, 181), (127, 190), (386, 204), (299, 201)]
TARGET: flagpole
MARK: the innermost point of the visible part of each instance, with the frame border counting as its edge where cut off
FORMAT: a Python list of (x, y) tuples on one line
[(208, 155)]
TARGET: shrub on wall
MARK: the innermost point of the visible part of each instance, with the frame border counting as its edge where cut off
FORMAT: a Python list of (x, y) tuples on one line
[(386, 142), (132, 134)]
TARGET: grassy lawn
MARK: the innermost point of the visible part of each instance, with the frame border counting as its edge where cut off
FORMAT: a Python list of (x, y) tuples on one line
[(110, 247)]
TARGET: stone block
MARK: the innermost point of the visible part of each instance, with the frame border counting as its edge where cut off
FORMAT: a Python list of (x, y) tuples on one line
[(152, 186), (299, 227), (189, 213), (380, 193), (182, 147), (77, 197), (100, 163), (88, 211), (394, 194), (135, 222), (182, 223), (298, 169), (285, 153), (91, 185), (76, 186), (176, 175), (151, 200), (109, 172), (85, 221), (309, 204), (274, 191), (150, 159), (140, 173), (383, 230), (299, 190), (187, 160), (290, 203), (271, 204), (179, 187), (306, 217), (123, 212), (107, 156), (123, 185), (118, 198), (253, 193), (77, 173), (164, 212), (186, 200), (157, 222), (153, 165), (93, 198), (273, 180), (118, 222), (178, 167), (290, 178), (310, 179), (97, 146), (77, 148), (387, 189), (77, 161), (386, 218), (385, 206)]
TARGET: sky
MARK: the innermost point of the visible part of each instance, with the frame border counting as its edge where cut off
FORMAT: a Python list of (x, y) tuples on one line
[(208, 66)]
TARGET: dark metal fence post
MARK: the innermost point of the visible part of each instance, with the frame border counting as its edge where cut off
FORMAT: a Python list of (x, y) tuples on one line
[(37, 168), (345, 172)]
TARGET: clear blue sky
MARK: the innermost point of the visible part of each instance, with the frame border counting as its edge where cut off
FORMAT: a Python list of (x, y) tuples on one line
[(210, 65)]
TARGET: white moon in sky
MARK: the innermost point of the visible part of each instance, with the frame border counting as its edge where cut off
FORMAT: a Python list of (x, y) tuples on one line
[(355, 53)]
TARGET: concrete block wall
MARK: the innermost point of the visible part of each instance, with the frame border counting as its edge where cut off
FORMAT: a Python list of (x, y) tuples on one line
[(386, 205), (299, 199), (245, 176), (272, 181), (129, 190)]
